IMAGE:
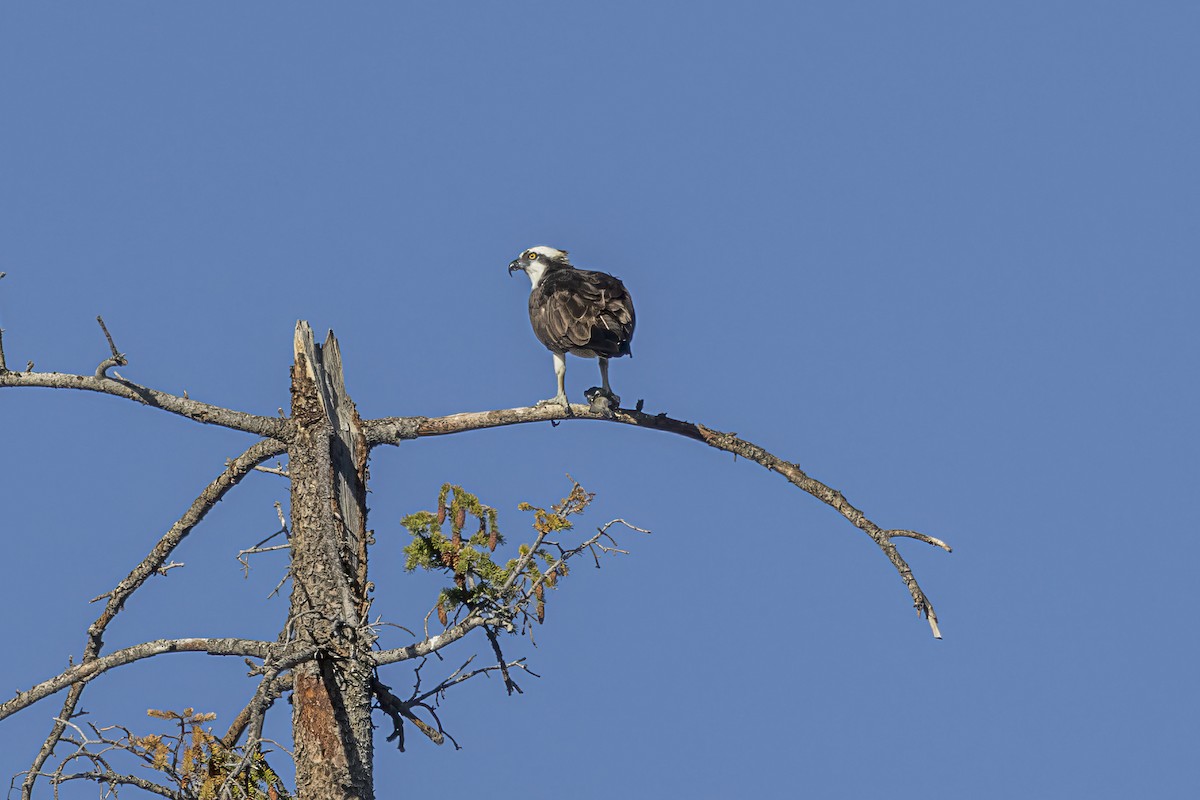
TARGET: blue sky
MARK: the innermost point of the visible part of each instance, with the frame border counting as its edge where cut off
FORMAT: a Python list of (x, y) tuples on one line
[(942, 256)]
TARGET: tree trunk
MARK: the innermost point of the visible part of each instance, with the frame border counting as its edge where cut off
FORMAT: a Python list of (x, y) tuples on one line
[(331, 718)]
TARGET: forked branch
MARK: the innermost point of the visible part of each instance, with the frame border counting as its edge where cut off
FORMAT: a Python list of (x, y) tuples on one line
[(400, 710), (117, 359)]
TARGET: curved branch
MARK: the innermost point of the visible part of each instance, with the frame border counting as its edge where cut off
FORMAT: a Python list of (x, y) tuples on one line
[(393, 430), (82, 673), (272, 427)]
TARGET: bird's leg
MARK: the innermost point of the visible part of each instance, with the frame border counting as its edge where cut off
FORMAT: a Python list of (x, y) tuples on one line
[(616, 401), (560, 373), (601, 398)]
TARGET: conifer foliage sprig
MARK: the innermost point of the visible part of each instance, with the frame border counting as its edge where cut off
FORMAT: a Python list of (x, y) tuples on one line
[(480, 583)]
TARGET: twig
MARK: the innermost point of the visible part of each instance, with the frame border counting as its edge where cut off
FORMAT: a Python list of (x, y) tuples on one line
[(3, 366), (103, 771), (399, 711), (286, 574), (258, 548), (920, 537), (591, 544), (113, 779), (509, 683), (276, 470), (458, 676), (253, 551), (162, 570), (116, 360), (379, 623)]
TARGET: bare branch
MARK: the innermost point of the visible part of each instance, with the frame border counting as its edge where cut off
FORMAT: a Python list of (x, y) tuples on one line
[(920, 537), (509, 684), (102, 771), (400, 710), (241, 556), (458, 676), (115, 778), (430, 644), (380, 623), (519, 604), (393, 430), (82, 673), (117, 359), (278, 686), (275, 470), (258, 548), (271, 427), (116, 354), (3, 365)]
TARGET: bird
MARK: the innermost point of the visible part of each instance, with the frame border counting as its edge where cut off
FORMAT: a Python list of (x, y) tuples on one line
[(577, 311)]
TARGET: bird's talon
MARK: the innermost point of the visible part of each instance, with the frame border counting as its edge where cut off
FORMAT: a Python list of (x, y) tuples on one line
[(601, 401)]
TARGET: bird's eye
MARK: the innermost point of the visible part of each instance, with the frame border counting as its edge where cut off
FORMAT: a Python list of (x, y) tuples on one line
[(532, 256)]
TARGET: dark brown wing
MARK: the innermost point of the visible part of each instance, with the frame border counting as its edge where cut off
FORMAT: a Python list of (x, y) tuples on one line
[(576, 309)]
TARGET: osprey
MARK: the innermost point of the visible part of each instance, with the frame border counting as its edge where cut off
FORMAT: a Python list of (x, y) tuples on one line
[(588, 314)]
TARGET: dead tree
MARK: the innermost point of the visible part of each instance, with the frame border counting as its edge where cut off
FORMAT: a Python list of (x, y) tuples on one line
[(325, 656)]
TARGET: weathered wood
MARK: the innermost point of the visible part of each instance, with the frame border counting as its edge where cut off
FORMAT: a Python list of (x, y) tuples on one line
[(327, 462)]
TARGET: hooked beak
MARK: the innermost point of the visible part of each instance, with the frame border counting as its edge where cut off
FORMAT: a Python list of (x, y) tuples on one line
[(519, 264)]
